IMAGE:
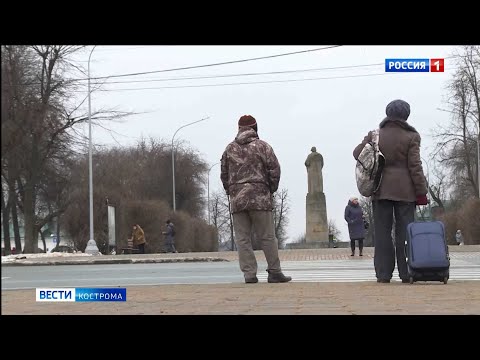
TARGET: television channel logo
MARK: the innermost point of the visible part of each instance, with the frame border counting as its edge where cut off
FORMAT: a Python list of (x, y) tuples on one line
[(80, 294), (415, 65)]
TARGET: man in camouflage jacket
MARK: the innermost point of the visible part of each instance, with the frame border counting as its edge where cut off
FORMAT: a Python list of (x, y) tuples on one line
[(250, 173)]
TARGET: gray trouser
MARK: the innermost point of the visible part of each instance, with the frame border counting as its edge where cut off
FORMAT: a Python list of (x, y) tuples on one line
[(170, 244), (260, 222), (385, 251)]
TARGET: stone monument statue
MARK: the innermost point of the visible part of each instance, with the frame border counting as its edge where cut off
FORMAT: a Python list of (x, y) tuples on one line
[(314, 164), (317, 224)]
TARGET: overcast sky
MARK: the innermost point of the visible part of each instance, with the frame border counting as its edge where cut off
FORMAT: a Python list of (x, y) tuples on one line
[(331, 109)]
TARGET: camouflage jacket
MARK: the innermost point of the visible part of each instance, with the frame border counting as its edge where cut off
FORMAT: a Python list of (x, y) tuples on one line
[(250, 172)]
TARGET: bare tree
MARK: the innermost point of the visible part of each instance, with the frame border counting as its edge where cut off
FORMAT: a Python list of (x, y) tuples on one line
[(367, 208), (218, 213), (137, 173), (334, 230), (153, 159), (39, 124), (438, 186), (281, 209), (5, 222), (221, 219), (17, 68), (457, 143), (280, 220), (299, 239), (220, 209)]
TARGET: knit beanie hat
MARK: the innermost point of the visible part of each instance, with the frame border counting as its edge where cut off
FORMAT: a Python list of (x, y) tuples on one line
[(247, 120), (398, 109)]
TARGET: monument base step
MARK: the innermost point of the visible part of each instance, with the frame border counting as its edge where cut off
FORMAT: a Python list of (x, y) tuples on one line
[(317, 245)]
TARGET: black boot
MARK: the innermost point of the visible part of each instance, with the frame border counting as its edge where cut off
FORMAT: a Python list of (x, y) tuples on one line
[(278, 277), (252, 280)]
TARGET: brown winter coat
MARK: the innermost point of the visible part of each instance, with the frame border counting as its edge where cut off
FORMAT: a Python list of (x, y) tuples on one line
[(138, 236), (403, 177), (250, 172)]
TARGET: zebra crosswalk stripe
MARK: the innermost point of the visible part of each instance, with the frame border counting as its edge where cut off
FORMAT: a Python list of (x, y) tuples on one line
[(358, 270)]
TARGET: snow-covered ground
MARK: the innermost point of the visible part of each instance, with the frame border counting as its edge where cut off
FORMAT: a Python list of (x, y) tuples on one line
[(13, 258)]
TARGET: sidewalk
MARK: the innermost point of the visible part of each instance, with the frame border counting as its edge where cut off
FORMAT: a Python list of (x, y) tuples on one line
[(294, 298), (456, 297), (285, 255)]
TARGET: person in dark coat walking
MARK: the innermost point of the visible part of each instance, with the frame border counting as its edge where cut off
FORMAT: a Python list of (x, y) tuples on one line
[(356, 226), (170, 238)]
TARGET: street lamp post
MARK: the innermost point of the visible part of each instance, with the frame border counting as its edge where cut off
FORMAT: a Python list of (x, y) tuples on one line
[(478, 157), (91, 245), (208, 191), (428, 187), (173, 159), (428, 172), (478, 162)]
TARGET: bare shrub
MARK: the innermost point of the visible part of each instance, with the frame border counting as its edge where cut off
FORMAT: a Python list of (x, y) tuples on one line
[(192, 235), (468, 221), (450, 221), (466, 218)]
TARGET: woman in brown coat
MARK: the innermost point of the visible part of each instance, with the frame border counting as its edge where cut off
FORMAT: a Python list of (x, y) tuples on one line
[(403, 181), (138, 238)]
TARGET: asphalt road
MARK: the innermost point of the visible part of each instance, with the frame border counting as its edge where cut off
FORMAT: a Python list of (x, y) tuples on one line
[(463, 267)]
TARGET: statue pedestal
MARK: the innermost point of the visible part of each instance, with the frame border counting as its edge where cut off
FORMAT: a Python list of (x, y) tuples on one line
[(317, 224), (309, 245)]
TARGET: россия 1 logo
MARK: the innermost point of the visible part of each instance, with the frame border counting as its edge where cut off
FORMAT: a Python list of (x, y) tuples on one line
[(414, 65)]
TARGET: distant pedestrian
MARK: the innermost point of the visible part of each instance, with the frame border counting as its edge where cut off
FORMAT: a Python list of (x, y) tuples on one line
[(459, 237), (356, 224), (138, 238), (170, 237)]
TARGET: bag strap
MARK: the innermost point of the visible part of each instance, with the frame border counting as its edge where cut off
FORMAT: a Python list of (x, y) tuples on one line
[(376, 139)]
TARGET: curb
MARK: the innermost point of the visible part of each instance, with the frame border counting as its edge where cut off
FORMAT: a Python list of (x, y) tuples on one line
[(22, 262), (228, 256)]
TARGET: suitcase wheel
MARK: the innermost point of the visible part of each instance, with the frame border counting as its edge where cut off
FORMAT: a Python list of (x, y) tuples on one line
[(445, 279), (411, 279)]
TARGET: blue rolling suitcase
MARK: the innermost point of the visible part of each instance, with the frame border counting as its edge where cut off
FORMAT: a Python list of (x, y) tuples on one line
[(427, 252)]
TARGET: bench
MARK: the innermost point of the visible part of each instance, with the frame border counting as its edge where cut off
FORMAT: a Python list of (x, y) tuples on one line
[(129, 250)]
